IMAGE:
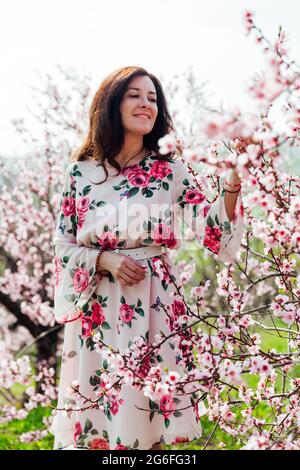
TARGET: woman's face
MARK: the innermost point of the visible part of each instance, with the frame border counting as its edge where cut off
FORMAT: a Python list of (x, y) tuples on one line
[(139, 98)]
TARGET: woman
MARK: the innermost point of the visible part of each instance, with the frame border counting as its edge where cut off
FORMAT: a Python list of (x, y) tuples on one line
[(109, 289)]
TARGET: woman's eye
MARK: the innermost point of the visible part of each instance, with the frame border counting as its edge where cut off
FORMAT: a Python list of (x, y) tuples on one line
[(136, 96)]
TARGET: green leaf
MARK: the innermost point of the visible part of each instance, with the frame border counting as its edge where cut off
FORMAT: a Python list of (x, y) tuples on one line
[(94, 380), (165, 186), (140, 311), (132, 192), (153, 405), (227, 227), (167, 422), (136, 444), (210, 221), (86, 190), (88, 426)]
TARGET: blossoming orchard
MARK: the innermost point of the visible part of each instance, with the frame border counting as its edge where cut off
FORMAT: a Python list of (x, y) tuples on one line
[(236, 329)]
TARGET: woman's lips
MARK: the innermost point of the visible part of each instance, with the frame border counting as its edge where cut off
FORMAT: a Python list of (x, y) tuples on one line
[(142, 116)]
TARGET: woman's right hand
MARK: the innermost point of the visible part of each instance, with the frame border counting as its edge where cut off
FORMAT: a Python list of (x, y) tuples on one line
[(122, 267)]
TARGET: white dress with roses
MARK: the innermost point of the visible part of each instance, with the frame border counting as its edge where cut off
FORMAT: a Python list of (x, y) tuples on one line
[(113, 402)]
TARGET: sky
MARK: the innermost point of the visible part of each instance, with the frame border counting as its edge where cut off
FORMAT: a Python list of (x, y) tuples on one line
[(164, 36)]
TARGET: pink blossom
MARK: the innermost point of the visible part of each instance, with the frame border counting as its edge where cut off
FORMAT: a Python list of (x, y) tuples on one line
[(126, 313), (178, 308), (81, 279), (98, 316), (138, 177), (68, 206), (86, 327), (193, 196), (108, 240), (78, 430), (212, 238), (167, 405), (98, 444), (160, 169)]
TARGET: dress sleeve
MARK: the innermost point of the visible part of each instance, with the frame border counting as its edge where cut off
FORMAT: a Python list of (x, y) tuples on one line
[(208, 221), (74, 266)]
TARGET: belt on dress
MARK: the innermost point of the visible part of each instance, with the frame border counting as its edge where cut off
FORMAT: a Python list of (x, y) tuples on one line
[(142, 252)]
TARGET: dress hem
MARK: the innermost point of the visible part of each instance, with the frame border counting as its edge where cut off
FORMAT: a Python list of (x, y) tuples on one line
[(167, 440)]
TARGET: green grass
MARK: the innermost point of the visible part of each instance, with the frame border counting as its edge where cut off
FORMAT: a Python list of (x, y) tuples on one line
[(10, 432)]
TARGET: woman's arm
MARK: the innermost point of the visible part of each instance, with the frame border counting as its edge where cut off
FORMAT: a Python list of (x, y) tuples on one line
[(230, 199)]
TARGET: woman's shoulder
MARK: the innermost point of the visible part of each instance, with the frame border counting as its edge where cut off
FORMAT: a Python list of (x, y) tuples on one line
[(82, 167), (173, 159)]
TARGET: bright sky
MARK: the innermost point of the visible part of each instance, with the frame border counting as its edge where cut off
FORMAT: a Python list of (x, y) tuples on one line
[(164, 36)]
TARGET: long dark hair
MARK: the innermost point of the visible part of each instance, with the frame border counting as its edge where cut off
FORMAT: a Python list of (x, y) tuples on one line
[(105, 136)]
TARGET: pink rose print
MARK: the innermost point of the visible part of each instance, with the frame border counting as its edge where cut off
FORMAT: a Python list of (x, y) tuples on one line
[(68, 206), (171, 242), (57, 269), (138, 177), (77, 432), (160, 169), (108, 240), (126, 313), (144, 368), (193, 196), (163, 234), (86, 327), (121, 447), (114, 408), (99, 444), (212, 239), (180, 440), (167, 405), (178, 308), (159, 268), (97, 314), (81, 279), (160, 233), (82, 206), (206, 209)]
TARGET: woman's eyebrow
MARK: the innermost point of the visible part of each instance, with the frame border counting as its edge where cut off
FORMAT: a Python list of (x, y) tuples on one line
[(134, 88)]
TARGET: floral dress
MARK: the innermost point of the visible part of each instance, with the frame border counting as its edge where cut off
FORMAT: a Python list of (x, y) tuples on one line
[(96, 309)]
